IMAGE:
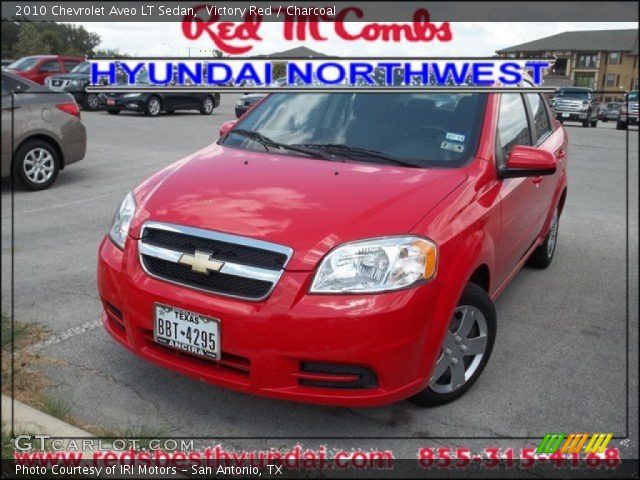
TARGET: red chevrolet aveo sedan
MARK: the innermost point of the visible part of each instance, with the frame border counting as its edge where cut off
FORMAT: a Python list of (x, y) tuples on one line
[(342, 249)]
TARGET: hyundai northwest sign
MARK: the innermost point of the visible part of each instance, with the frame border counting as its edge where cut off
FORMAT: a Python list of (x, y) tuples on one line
[(348, 239)]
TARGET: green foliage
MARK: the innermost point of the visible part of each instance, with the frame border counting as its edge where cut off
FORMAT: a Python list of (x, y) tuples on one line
[(279, 69), (21, 39)]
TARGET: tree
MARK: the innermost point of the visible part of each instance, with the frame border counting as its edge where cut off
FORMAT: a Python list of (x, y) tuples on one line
[(30, 42), (37, 38)]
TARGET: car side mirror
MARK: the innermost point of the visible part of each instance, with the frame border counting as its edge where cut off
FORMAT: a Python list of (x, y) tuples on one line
[(226, 127), (524, 161)]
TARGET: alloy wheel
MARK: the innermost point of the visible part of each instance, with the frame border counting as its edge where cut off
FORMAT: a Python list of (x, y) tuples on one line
[(154, 106), (93, 101), (38, 165), (462, 351), (208, 105)]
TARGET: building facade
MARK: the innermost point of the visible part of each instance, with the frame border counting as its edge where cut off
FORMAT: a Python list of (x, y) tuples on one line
[(605, 60)]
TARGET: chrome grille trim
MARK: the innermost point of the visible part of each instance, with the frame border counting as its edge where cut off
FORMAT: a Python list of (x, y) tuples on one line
[(229, 268)]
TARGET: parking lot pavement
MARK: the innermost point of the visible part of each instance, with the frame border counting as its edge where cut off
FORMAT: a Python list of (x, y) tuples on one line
[(558, 363)]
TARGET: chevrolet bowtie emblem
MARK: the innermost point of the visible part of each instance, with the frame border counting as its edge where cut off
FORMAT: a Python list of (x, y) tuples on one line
[(201, 262)]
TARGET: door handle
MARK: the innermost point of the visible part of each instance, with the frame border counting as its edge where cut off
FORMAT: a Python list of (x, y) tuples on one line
[(537, 180)]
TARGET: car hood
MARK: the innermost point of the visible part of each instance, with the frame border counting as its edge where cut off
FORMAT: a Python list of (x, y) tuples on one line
[(308, 204)]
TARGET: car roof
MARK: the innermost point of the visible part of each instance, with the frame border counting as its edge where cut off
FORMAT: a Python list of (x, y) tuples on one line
[(17, 78)]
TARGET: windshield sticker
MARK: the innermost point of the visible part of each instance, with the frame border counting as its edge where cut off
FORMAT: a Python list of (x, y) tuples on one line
[(454, 147), (455, 137)]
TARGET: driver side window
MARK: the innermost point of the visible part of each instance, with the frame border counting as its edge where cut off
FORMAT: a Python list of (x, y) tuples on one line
[(50, 66), (513, 126)]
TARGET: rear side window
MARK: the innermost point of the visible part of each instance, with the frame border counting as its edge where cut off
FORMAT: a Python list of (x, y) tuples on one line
[(70, 64), (513, 126), (50, 66), (540, 117)]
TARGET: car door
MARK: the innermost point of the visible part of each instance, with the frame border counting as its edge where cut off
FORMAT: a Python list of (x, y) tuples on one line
[(47, 68), (545, 138), (15, 117), (521, 212)]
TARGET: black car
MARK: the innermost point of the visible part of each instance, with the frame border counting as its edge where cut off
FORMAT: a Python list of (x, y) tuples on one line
[(75, 82), (629, 111), (152, 104), (576, 104)]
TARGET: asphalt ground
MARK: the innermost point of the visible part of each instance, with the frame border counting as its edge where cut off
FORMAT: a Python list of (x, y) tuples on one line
[(559, 362)]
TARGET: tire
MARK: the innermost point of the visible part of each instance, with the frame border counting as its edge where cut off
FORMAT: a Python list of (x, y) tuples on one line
[(153, 107), (91, 102), (36, 164), (621, 126), (476, 307), (543, 255), (113, 112), (594, 123), (586, 123), (207, 105)]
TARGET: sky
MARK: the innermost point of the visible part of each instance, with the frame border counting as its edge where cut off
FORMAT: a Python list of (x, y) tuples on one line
[(469, 39)]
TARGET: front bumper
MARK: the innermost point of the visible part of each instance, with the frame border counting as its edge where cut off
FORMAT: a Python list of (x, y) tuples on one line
[(572, 116), (133, 104), (629, 119), (396, 336)]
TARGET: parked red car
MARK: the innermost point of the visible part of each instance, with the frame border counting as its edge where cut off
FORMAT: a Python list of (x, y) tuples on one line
[(341, 249), (39, 67)]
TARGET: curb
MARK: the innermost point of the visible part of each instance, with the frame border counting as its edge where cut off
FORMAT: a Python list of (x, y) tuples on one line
[(30, 421)]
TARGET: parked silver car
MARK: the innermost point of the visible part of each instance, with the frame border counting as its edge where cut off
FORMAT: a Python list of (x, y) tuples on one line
[(41, 132)]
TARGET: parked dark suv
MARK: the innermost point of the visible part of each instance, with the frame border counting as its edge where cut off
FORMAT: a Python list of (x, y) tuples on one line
[(75, 82), (576, 104)]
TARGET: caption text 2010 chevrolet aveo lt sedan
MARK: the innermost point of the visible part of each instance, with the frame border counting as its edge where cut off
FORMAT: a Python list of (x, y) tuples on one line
[(340, 249)]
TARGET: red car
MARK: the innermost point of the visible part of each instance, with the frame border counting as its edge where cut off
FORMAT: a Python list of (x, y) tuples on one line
[(39, 67), (341, 249)]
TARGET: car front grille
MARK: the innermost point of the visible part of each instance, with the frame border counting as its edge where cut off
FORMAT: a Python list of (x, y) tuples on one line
[(215, 262), (567, 105)]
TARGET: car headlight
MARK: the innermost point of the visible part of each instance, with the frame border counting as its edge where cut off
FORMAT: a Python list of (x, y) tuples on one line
[(240, 102), (585, 106), (122, 220), (77, 83), (376, 265)]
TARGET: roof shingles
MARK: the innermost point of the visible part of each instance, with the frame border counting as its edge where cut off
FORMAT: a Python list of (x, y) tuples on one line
[(583, 40)]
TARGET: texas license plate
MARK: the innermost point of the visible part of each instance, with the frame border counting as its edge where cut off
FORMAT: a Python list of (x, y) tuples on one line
[(111, 101), (187, 331), (565, 115)]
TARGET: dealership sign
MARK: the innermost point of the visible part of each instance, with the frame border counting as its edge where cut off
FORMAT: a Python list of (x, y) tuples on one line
[(319, 74), (307, 24)]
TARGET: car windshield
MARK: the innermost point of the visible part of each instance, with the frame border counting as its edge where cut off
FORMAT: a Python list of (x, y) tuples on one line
[(23, 64), (411, 129), (573, 94), (83, 67), (633, 96)]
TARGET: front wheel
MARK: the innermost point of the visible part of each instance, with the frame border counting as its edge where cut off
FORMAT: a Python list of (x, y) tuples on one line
[(621, 125), (153, 107), (207, 105), (543, 255), (465, 350), (594, 123), (91, 102)]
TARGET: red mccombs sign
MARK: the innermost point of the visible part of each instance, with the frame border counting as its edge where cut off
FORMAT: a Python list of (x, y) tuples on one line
[(237, 38)]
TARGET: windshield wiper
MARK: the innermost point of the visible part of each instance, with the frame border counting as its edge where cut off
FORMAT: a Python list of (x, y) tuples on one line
[(358, 152), (267, 142)]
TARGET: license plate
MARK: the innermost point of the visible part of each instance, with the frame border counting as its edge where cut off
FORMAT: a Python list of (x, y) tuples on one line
[(565, 115), (187, 331), (110, 101)]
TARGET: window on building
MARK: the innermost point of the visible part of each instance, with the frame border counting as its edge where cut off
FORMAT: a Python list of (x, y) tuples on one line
[(540, 116), (587, 60), (611, 80), (615, 58), (513, 126)]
